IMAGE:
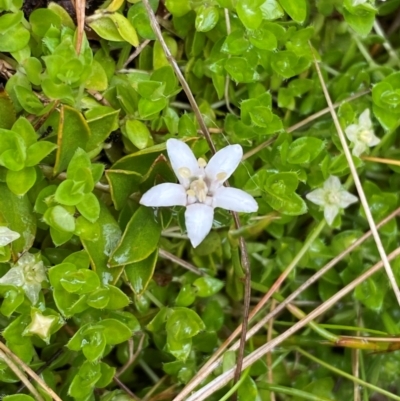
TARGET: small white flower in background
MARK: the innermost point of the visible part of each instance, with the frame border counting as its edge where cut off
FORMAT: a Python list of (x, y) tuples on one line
[(200, 187), (41, 325), (332, 197), (7, 236), (362, 134), (28, 273)]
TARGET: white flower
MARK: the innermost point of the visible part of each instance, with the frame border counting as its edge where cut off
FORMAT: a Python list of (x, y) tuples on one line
[(28, 273), (7, 236), (362, 134), (41, 325), (200, 187), (332, 197)]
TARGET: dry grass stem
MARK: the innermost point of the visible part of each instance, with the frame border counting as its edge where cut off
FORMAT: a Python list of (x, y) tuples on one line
[(224, 379), (359, 187)]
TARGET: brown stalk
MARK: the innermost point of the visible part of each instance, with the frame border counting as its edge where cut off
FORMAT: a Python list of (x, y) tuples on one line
[(207, 136), (212, 363), (224, 378)]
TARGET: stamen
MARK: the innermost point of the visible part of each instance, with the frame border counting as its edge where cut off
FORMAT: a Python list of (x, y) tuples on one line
[(190, 192), (201, 162), (221, 176), (184, 172)]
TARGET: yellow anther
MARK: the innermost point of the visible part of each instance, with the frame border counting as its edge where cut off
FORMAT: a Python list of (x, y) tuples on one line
[(190, 192), (221, 176), (201, 162), (184, 172)]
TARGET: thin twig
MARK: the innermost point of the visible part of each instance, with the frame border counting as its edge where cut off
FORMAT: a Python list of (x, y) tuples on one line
[(227, 79), (269, 355), (212, 363), (358, 186), (137, 51), (302, 123), (163, 253), (80, 17), (224, 378), (126, 389), (132, 355), (207, 136), (21, 376), (30, 372), (386, 44)]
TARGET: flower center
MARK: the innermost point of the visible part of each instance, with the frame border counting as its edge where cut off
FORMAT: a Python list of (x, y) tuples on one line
[(332, 197), (199, 189), (364, 135)]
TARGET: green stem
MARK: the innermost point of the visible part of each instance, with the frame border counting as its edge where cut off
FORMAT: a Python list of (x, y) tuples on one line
[(347, 375), (236, 385)]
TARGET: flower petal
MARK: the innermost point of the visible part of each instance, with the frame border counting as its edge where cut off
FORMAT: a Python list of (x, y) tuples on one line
[(7, 236), (365, 119), (32, 291), (359, 148), (332, 184), (14, 277), (330, 212), (166, 194), (181, 156), (225, 161), (351, 132), (374, 140), (199, 218), (234, 199), (317, 196), (346, 199)]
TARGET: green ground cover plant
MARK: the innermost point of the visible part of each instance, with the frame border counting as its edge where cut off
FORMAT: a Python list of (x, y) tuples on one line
[(198, 200)]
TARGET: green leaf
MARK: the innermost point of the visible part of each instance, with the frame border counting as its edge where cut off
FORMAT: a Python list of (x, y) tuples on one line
[(361, 18), (125, 29), (122, 184), (89, 207), (15, 39), (99, 298), (7, 110), (115, 332), (73, 133), (107, 375), (139, 240), (18, 397), (207, 286), (38, 151), (82, 281), (69, 193), (118, 299), (249, 13), (20, 182), (206, 18), (137, 15), (140, 273), (178, 8), (10, 20), (138, 133), (180, 349), (240, 70), (42, 19), (59, 218), (236, 43), (148, 109), (263, 39), (28, 100), (183, 323), (271, 10), (33, 68), (106, 29), (304, 150), (16, 213), (297, 10), (248, 390), (97, 80), (280, 194)]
